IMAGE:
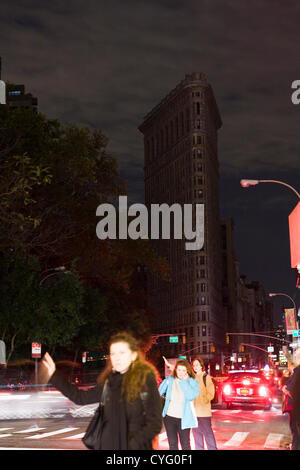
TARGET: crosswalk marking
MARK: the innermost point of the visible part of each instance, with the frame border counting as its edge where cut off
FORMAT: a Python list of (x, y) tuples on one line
[(273, 441), (236, 439), (32, 429), (76, 436), (48, 434)]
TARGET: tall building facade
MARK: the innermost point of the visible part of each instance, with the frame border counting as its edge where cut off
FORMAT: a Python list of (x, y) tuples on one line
[(181, 166)]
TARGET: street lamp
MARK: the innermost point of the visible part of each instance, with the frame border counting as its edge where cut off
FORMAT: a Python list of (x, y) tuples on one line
[(273, 294), (247, 183), (294, 223), (57, 271), (285, 295)]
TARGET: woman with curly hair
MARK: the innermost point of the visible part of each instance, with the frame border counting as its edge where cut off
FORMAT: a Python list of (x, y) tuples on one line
[(132, 406)]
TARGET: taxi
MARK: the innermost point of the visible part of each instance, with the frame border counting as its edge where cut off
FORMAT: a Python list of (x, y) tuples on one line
[(247, 387)]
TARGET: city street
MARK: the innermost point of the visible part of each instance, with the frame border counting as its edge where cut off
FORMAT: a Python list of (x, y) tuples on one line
[(47, 420)]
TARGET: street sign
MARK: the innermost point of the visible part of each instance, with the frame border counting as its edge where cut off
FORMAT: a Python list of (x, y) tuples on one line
[(181, 357), (270, 348), (295, 333), (36, 350), (173, 339)]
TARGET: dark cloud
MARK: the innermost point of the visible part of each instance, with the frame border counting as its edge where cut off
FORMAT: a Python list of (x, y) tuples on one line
[(106, 64)]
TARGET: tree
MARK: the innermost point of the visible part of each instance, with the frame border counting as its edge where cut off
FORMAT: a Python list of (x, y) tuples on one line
[(52, 179), (49, 313)]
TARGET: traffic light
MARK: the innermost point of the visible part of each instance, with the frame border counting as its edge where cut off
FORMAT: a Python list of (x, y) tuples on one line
[(227, 339), (184, 339), (242, 348)]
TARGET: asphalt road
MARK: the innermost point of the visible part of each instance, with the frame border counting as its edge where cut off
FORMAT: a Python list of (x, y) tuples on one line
[(237, 429)]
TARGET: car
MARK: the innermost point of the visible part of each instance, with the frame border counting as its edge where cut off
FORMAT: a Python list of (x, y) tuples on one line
[(247, 387)]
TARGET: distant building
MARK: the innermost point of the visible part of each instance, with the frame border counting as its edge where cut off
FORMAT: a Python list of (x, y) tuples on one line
[(181, 166), (16, 96), (247, 307)]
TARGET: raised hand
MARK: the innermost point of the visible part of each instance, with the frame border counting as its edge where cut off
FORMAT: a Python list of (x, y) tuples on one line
[(46, 368), (168, 364)]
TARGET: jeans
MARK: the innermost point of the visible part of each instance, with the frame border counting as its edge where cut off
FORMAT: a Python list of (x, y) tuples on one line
[(173, 430), (204, 430)]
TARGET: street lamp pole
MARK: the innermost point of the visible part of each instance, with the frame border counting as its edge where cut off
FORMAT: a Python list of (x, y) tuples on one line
[(57, 271), (245, 183), (248, 183), (273, 294)]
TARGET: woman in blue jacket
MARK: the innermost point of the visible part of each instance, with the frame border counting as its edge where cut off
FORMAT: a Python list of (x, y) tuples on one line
[(179, 413)]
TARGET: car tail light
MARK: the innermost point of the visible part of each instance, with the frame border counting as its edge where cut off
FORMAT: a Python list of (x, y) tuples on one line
[(263, 391), (227, 390)]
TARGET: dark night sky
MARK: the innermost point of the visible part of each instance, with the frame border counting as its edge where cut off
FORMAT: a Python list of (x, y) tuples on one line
[(106, 64)]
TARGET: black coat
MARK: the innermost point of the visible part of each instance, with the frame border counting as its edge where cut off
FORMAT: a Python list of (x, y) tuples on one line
[(293, 386), (143, 415)]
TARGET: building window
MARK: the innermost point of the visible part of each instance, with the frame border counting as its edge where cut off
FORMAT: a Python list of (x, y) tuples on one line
[(203, 300), (176, 128), (187, 120), (182, 123), (203, 287), (203, 330), (172, 132), (203, 315), (204, 347)]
